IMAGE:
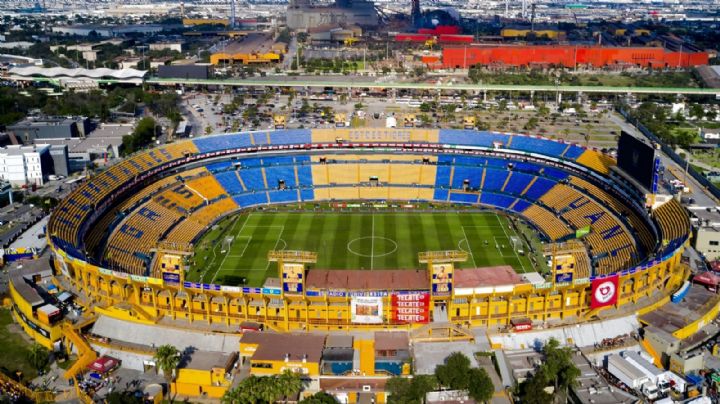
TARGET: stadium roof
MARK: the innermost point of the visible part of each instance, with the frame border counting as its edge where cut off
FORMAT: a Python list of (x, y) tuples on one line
[(367, 280), (491, 276), (101, 73)]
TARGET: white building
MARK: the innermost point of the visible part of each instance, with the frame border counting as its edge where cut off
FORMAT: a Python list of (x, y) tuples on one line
[(173, 46), (25, 165)]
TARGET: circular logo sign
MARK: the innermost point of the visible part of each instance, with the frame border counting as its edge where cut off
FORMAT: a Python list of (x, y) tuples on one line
[(605, 292)]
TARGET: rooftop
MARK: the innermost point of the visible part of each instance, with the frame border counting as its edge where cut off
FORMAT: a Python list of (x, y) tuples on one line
[(207, 360), (489, 276), (252, 43), (391, 340), (276, 347), (372, 280)]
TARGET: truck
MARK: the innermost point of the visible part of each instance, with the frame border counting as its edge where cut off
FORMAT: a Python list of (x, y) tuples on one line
[(630, 376)]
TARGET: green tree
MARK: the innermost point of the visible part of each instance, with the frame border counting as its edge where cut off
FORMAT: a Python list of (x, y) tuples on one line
[(38, 356), (409, 390), (697, 111), (532, 390), (454, 373), (167, 359), (320, 397), (480, 387), (142, 135), (289, 384)]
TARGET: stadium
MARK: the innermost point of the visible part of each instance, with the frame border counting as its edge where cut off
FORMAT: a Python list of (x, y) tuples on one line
[(336, 229)]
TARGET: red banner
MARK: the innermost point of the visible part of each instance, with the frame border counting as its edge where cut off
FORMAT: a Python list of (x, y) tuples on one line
[(604, 291), (411, 307)]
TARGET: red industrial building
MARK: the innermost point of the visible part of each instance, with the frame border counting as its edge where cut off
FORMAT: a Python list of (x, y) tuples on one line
[(568, 56)]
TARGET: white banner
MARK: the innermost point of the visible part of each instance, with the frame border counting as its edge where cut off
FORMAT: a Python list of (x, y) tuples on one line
[(366, 310)]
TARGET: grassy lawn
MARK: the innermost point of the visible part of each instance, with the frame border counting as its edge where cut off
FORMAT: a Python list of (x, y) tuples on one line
[(15, 349), (238, 246)]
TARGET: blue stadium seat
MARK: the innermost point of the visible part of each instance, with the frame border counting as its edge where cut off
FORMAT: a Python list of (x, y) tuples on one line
[(527, 167), (494, 180), (472, 174), (213, 143), (573, 152), (246, 200), (283, 196), (518, 182), (471, 137), (442, 176), (501, 201), (535, 145), (463, 198), (441, 195), (291, 136), (521, 205), (277, 173), (229, 181), (252, 178), (539, 188), (307, 194), (221, 166), (555, 173), (305, 176)]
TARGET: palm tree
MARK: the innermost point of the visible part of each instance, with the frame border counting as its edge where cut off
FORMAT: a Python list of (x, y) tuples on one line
[(167, 358), (38, 356), (289, 383)]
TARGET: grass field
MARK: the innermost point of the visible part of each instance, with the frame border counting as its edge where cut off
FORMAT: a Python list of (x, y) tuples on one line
[(237, 247)]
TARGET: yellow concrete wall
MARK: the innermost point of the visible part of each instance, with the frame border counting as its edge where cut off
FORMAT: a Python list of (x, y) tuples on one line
[(277, 367), (22, 306)]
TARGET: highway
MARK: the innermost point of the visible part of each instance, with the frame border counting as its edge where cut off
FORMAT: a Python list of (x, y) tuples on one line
[(349, 82)]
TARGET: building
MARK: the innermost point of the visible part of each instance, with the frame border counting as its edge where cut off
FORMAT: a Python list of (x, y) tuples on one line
[(33, 307), (271, 354), (25, 165), (706, 229), (205, 374), (194, 71), (392, 352), (31, 129), (99, 146), (172, 46), (61, 163), (251, 49), (339, 356), (106, 30), (302, 15), (570, 56), (538, 31)]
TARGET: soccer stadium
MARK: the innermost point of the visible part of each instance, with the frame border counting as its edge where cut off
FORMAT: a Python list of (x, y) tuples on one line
[(367, 229)]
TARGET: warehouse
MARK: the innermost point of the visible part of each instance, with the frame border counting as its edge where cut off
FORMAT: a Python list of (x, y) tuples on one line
[(251, 49), (569, 56)]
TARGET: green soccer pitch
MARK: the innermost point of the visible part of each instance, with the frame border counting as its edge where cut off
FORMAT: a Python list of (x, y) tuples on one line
[(237, 247)]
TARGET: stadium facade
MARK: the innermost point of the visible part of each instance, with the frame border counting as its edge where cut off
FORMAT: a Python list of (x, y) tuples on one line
[(156, 204)]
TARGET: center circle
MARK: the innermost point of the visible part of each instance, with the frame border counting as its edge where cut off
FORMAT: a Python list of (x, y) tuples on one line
[(372, 246)]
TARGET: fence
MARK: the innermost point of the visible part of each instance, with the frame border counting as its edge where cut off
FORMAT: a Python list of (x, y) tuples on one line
[(671, 153)]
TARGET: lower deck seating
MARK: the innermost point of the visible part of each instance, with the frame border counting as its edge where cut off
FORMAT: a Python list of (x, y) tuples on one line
[(130, 244)]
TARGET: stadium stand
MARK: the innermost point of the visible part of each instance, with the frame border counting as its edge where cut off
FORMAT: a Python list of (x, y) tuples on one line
[(673, 220), (553, 226)]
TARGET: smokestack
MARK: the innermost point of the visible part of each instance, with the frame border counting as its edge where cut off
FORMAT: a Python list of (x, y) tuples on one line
[(415, 13)]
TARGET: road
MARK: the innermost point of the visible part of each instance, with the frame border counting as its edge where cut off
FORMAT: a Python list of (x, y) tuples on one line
[(351, 82)]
